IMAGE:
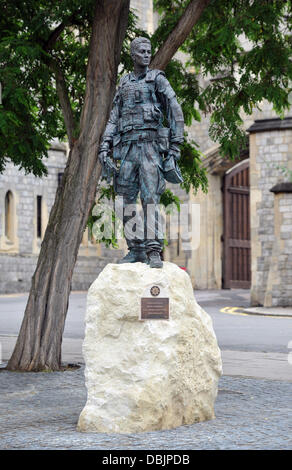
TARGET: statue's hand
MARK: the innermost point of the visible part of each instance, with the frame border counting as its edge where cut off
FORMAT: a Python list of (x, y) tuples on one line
[(108, 167), (103, 157)]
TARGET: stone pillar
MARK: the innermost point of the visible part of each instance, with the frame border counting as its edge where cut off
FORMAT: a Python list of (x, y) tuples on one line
[(279, 285), (270, 148)]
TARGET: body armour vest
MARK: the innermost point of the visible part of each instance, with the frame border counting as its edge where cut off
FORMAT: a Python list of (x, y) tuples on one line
[(138, 104)]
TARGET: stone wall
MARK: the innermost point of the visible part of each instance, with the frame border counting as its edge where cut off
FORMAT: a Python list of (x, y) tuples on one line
[(270, 147), (205, 266), (19, 251), (279, 284), (16, 271), (25, 188)]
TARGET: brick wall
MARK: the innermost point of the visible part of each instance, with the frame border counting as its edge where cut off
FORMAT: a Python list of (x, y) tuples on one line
[(279, 285)]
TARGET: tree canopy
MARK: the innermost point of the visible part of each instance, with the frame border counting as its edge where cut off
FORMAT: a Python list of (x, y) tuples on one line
[(43, 58), (239, 77), (44, 48)]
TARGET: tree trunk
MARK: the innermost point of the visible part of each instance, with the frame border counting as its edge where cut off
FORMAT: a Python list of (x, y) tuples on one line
[(39, 342)]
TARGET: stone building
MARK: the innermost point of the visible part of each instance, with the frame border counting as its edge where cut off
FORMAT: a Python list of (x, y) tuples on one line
[(241, 230), (25, 203), (271, 217), (245, 224)]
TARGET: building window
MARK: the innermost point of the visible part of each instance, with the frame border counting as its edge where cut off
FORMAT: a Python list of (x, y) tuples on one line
[(9, 211), (39, 216), (8, 233)]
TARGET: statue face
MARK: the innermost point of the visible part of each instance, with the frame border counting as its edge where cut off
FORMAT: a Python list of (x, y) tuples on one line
[(142, 54)]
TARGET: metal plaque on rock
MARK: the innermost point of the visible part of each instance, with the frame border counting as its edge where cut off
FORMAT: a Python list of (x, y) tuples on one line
[(154, 304)]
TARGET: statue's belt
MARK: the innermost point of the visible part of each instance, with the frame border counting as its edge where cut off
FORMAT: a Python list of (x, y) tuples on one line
[(139, 136)]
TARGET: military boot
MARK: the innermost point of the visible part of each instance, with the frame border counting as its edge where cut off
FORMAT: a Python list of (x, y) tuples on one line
[(155, 260), (134, 255)]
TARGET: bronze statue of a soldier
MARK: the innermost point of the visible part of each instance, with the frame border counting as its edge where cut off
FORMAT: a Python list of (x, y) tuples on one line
[(147, 151)]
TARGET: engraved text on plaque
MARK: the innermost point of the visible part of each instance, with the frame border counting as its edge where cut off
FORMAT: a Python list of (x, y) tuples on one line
[(154, 308)]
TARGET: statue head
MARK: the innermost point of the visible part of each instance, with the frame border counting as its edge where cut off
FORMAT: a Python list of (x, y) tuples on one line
[(141, 51)]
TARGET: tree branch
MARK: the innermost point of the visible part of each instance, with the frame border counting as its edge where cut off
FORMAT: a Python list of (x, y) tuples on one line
[(54, 36), (56, 33), (179, 33), (103, 60), (64, 100)]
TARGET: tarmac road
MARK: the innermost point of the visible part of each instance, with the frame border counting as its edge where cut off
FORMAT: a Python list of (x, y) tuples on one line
[(239, 331)]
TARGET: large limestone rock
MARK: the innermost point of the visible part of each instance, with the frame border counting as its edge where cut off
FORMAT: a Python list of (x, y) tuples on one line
[(152, 374)]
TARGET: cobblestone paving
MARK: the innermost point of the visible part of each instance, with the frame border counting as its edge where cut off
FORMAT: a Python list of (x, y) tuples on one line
[(40, 411)]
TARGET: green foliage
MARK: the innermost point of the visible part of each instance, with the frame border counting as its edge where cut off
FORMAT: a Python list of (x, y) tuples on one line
[(30, 114), (193, 172), (170, 200), (36, 37), (241, 76), (35, 33), (103, 220)]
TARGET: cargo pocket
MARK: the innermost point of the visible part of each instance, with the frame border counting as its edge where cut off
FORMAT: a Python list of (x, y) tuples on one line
[(117, 147), (148, 113), (163, 139), (126, 172)]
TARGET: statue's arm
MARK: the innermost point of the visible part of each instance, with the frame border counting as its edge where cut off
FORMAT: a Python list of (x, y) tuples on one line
[(108, 167), (173, 113), (111, 127)]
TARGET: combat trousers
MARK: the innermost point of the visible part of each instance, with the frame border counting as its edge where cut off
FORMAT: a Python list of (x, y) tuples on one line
[(141, 170)]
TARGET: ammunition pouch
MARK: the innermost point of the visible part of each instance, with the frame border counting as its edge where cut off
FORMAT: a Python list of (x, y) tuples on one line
[(117, 146), (138, 117), (163, 134)]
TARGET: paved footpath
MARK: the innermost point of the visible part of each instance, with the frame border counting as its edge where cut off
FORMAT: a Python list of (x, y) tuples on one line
[(40, 411)]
